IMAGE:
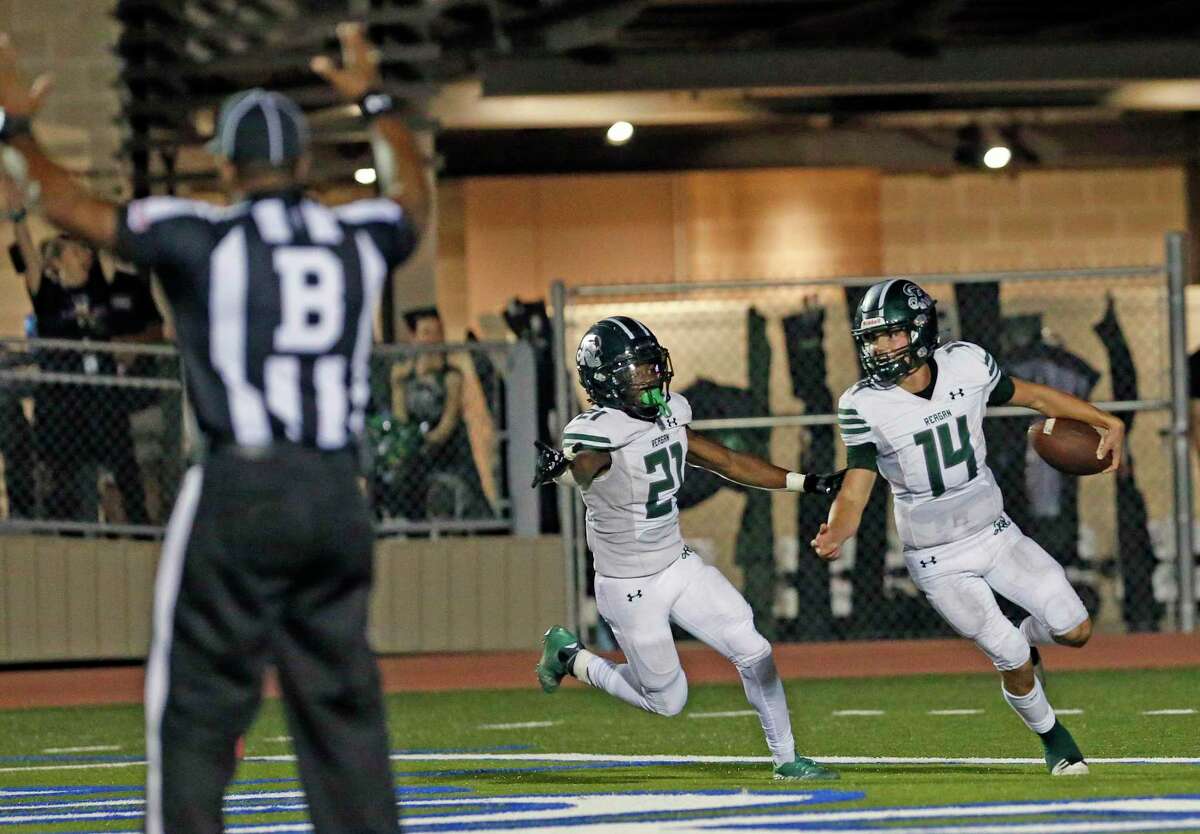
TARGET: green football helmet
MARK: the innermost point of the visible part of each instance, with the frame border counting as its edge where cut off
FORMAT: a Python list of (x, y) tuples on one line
[(622, 365), (896, 304)]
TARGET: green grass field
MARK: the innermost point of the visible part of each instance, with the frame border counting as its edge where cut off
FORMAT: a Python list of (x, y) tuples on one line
[(459, 766)]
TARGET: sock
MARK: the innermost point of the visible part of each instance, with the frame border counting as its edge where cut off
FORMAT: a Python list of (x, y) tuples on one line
[(764, 690), (1036, 633), (1033, 707), (579, 665), (615, 679)]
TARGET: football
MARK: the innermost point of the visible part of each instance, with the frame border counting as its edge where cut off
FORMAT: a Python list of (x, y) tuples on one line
[(1068, 445)]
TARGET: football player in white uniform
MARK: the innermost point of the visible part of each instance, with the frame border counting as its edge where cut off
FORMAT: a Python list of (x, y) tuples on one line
[(626, 455), (917, 419)]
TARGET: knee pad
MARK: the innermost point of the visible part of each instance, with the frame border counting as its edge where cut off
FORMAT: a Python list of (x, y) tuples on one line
[(671, 699), (1064, 610), (1007, 648), (745, 645)]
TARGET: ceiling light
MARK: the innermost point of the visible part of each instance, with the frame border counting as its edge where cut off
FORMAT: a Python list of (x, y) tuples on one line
[(364, 176), (997, 157), (619, 133)]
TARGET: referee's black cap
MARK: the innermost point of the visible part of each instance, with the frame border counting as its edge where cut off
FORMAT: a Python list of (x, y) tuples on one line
[(260, 126)]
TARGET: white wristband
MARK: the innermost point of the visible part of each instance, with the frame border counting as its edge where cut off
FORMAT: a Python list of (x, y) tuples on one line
[(567, 478), (795, 482)]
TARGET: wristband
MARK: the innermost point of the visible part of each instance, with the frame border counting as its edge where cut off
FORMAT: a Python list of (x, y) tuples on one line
[(377, 103), (12, 125), (795, 482)]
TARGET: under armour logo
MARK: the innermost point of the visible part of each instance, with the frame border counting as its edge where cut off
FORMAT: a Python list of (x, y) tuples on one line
[(632, 597), (954, 395), (932, 561)]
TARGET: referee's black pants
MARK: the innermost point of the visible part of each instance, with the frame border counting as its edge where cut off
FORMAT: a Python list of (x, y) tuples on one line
[(266, 561)]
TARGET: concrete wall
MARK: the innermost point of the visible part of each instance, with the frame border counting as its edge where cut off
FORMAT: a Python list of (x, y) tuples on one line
[(80, 599)]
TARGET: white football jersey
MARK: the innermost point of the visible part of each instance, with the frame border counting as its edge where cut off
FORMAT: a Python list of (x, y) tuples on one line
[(632, 520), (932, 451)]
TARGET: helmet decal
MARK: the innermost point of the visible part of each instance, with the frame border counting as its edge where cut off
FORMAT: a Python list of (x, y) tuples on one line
[(589, 351)]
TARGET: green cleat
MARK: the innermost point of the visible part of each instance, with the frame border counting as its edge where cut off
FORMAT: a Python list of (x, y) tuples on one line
[(559, 648), (1063, 757), (804, 768)]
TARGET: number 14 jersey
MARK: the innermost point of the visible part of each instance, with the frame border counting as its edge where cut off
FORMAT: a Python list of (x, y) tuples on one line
[(932, 451), (632, 518)]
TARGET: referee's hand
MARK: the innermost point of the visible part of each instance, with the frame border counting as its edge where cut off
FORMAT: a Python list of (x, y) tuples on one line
[(359, 73)]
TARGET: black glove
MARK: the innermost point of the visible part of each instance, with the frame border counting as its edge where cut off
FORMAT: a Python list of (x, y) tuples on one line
[(824, 484), (551, 463)]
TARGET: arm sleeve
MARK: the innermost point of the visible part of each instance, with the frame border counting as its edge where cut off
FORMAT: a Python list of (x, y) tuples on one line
[(862, 456), (1003, 390)]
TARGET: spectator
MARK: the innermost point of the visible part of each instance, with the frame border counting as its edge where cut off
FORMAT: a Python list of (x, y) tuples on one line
[(440, 479), (72, 300)]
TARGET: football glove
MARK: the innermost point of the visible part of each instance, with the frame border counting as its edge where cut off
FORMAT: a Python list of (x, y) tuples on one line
[(551, 463), (825, 484)]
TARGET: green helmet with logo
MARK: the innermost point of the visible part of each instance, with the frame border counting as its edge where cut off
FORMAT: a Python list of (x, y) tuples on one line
[(607, 359), (896, 304)]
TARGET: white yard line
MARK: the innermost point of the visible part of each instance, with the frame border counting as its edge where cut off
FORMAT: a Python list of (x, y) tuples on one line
[(733, 713), (662, 759), (1068, 712), (1169, 712), (955, 712), (858, 712), (520, 725), (96, 748)]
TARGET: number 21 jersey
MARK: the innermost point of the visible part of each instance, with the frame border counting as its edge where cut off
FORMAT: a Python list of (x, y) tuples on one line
[(632, 518)]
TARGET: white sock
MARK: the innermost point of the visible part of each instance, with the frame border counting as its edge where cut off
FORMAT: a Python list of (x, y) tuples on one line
[(764, 690), (580, 663), (615, 679), (1035, 632), (1033, 708)]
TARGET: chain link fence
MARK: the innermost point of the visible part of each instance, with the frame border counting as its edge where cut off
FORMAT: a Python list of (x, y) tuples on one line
[(94, 437), (763, 364)]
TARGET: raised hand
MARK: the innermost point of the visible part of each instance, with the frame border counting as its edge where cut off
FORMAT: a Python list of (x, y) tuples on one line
[(17, 96), (359, 72)]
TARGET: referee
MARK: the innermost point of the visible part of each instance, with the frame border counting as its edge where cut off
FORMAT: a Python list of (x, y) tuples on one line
[(267, 557)]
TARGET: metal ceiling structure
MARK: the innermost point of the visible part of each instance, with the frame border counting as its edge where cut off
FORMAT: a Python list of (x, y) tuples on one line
[(518, 86)]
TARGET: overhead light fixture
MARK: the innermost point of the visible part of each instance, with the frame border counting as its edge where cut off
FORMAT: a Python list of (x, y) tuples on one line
[(619, 133), (996, 157), (365, 176)]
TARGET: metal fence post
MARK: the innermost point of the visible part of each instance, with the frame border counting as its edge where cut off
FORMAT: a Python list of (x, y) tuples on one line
[(1180, 452), (520, 395), (566, 498)]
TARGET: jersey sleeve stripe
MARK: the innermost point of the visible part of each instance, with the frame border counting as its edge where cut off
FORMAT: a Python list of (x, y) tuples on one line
[(851, 421), (594, 438), (863, 430), (848, 411)]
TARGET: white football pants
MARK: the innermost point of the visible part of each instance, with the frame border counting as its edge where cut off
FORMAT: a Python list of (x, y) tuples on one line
[(958, 580), (701, 600)]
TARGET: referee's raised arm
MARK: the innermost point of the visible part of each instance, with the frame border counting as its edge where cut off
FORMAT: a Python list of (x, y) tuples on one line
[(398, 162)]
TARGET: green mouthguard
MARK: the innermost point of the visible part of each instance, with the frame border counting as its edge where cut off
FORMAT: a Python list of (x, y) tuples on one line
[(654, 397)]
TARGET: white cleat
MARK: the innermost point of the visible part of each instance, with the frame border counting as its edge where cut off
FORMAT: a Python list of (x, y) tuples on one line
[(1065, 768)]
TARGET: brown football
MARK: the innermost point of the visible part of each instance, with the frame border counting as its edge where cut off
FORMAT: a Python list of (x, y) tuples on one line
[(1068, 445)]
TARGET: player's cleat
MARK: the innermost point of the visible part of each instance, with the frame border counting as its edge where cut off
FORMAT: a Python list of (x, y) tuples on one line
[(1063, 757), (1039, 671), (559, 648), (803, 768)]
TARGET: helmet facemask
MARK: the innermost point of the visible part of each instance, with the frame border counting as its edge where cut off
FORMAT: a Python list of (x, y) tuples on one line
[(886, 369), (644, 382)]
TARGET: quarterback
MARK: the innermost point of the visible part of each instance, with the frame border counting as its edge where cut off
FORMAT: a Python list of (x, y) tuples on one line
[(917, 419), (626, 455)]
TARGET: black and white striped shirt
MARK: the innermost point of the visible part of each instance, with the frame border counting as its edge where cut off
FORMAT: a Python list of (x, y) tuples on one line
[(274, 300)]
